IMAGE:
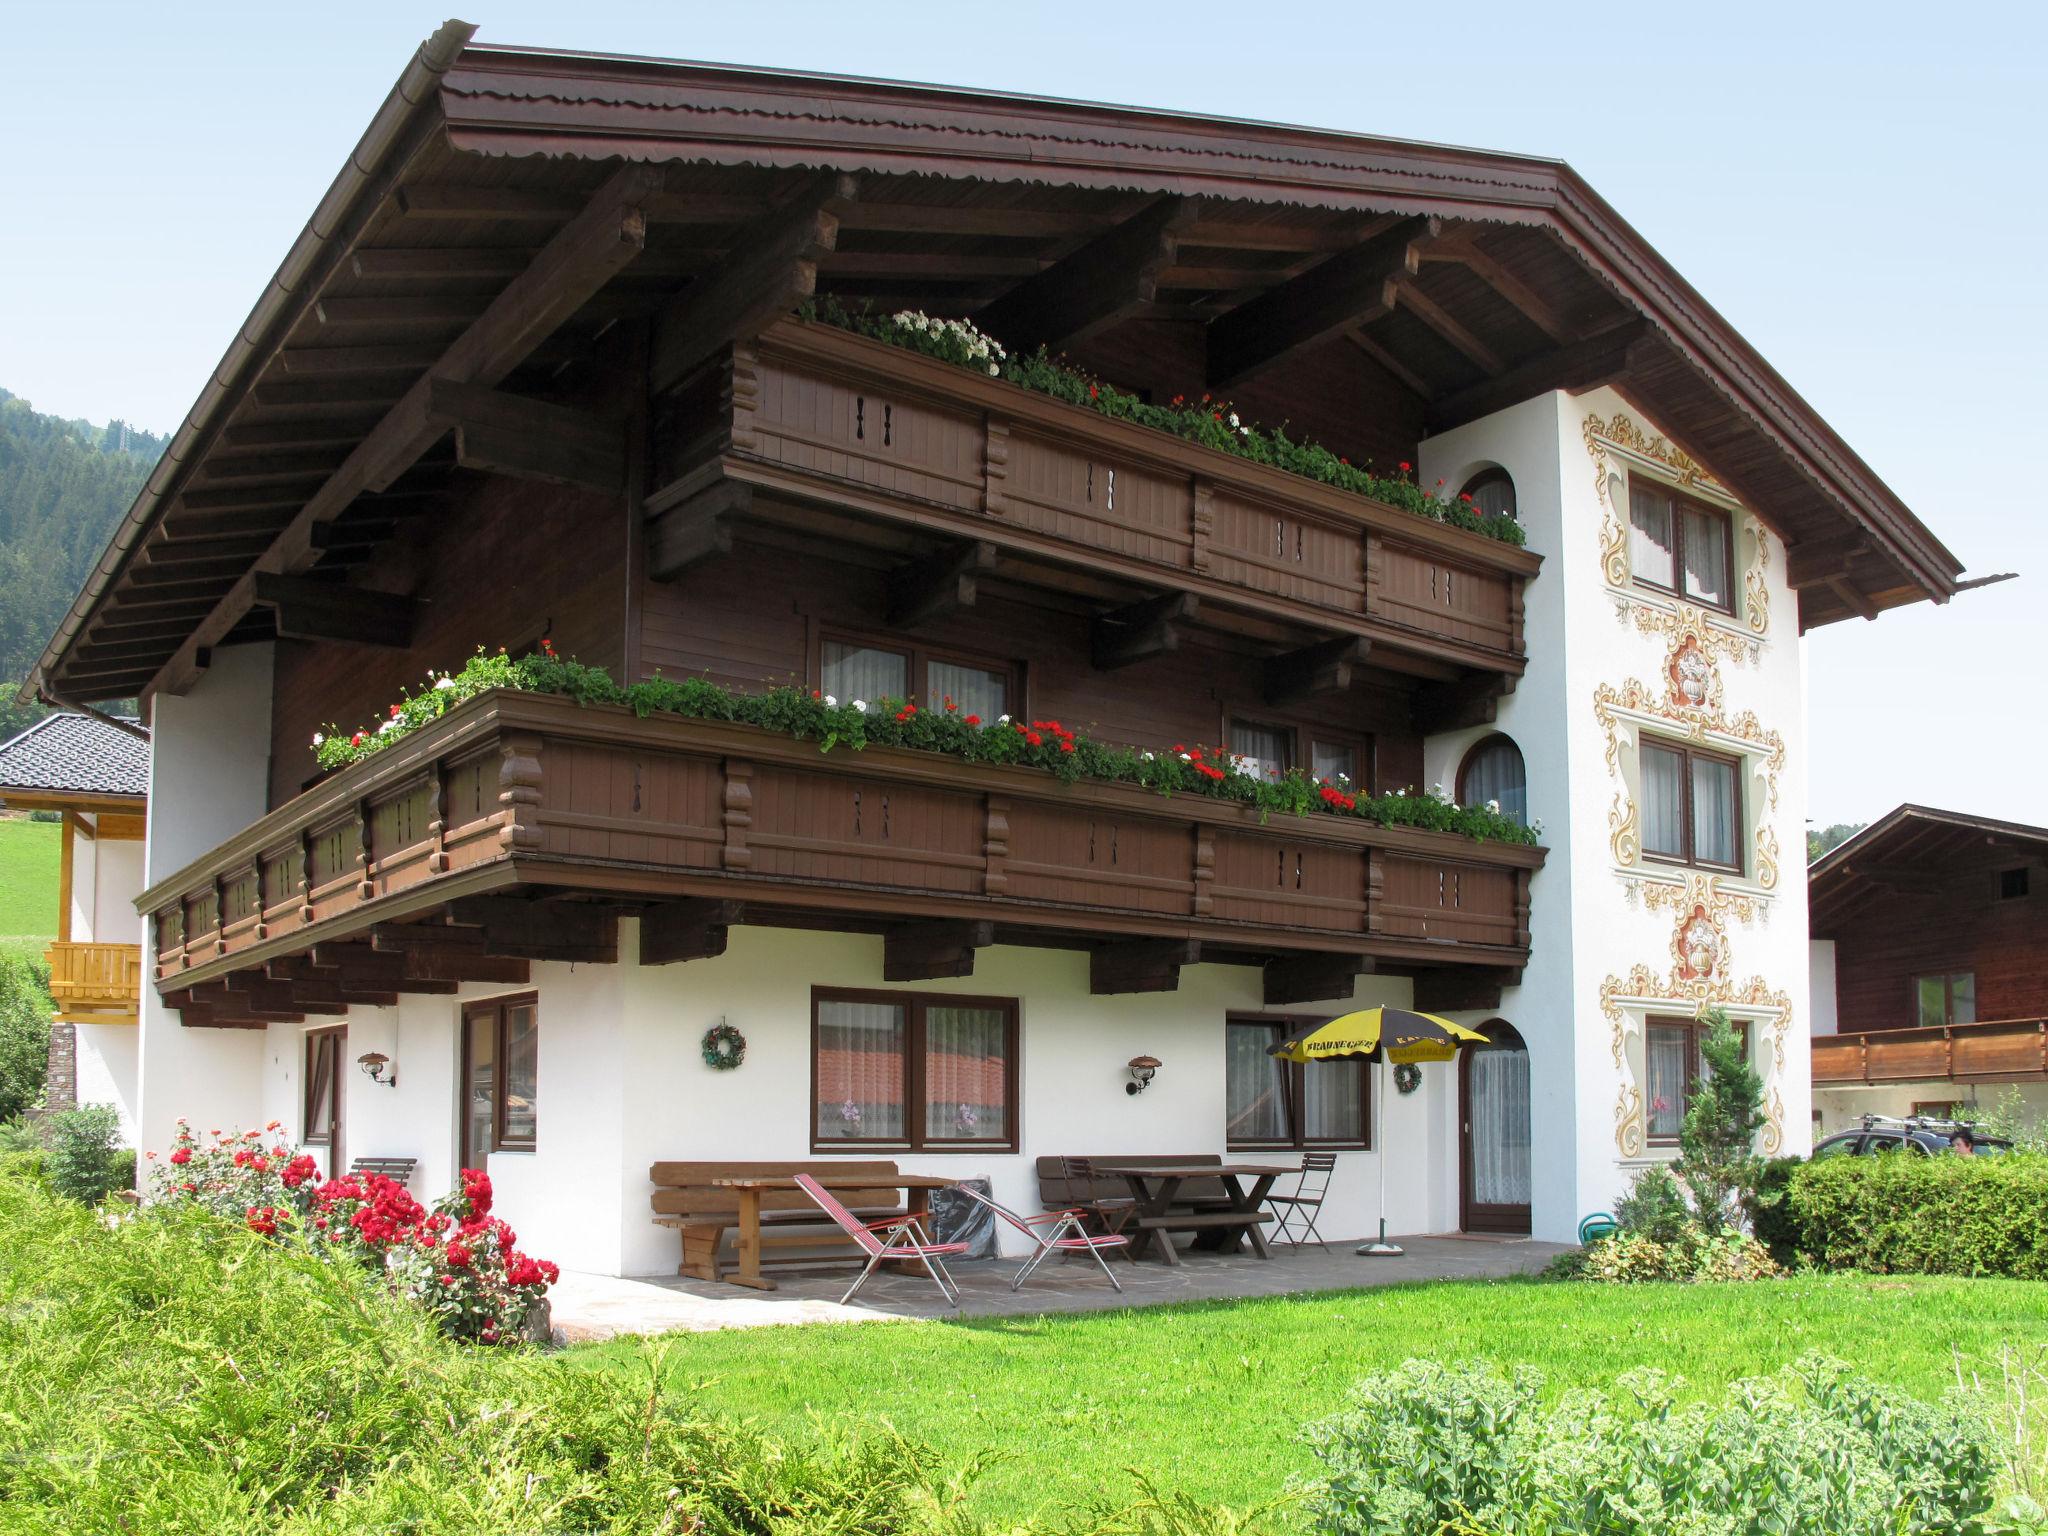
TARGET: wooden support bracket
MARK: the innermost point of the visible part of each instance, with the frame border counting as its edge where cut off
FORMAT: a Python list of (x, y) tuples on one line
[(930, 951)]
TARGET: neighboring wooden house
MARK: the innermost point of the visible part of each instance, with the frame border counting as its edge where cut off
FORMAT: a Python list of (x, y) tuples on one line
[(1930, 967), (93, 772), (534, 374)]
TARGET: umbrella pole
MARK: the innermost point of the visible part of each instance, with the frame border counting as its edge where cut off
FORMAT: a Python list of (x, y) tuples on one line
[(1382, 1249)]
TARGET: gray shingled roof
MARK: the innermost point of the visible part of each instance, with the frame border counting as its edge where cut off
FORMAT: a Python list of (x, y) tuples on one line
[(77, 753)]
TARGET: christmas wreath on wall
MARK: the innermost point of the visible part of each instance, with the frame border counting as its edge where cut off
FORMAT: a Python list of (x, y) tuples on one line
[(1407, 1077), (724, 1047)]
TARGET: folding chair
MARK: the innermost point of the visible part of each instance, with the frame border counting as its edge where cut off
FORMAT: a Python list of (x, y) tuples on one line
[(904, 1239), (1306, 1203), (1109, 1214), (1064, 1235)]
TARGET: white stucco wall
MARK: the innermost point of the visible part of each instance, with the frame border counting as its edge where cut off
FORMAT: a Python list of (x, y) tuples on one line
[(117, 881), (1820, 969), (209, 774), (1599, 653)]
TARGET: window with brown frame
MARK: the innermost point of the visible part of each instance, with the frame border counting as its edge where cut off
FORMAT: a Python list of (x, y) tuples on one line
[(1271, 751), (500, 1086), (1493, 771), (1680, 545), (913, 1071), (1691, 806), (323, 1085), (851, 666), (1263, 750), (1492, 492), (1273, 1103), (1671, 1050)]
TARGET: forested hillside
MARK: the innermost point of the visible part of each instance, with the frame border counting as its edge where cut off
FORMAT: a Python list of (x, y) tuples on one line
[(63, 486)]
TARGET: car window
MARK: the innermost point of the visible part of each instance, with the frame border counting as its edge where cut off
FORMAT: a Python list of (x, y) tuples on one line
[(1837, 1146), (1873, 1145)]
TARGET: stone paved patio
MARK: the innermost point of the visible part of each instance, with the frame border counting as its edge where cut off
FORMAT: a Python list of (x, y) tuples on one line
[(599, 1307)]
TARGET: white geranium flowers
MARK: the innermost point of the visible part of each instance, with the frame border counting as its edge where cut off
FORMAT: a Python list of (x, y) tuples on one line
[(861, 705), (979, 348)]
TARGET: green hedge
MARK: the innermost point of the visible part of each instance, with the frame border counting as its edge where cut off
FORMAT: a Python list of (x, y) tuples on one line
[(1906, 1214)]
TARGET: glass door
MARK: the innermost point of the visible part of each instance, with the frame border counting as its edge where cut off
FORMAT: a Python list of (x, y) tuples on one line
[(1494, 1093)]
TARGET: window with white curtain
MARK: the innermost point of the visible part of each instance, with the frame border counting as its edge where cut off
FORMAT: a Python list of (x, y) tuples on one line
[(1493, 770), (1337, 762), (1681, 545), (979, 691), (1264, 751), (1691, 806), (1671, 1054), (1273, 1103), (850, 667), (913, 1071), (850, 671), (1498, 1116)]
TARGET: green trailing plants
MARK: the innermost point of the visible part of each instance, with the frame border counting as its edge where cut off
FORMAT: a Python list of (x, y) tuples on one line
[(1902, 1213), (1210, 420), (1433, 1449), (85, 1159), (942, 727), (1717, 1158)]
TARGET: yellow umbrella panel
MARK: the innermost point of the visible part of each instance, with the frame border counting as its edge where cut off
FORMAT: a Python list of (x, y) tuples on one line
[(1391, 1034)]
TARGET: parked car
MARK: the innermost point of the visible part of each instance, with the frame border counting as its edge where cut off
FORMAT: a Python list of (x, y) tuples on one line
[(1921, 1134)]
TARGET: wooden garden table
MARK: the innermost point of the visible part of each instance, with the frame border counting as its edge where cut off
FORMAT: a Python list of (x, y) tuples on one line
[(1154, 1190), (918, 1205)]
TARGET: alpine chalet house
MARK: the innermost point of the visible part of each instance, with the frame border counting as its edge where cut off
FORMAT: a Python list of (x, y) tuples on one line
[(591, 358)]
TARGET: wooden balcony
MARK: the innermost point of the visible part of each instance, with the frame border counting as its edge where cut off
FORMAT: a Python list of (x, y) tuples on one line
[(1062, 495), (1996, 1050), (96, 983), (531, 791)]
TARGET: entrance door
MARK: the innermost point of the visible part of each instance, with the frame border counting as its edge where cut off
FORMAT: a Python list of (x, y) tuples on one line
[(1493, 1087), (325, 1049)]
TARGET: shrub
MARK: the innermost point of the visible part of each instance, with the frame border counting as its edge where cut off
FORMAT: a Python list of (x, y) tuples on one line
[(85, 1159), (1434, 1448), (1768, 1207), (1901, 1213), (178, 1373), (25, 1009), (24, 1164), (1689, 1253), (1654, 1206), (1717, 1139)]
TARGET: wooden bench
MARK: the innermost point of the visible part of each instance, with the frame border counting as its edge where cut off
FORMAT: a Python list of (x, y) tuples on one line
[(398, 1169), (686, 1198)]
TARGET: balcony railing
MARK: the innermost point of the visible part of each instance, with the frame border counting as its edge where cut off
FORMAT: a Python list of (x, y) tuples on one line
[(96, 983), (821, 415), (1997, 1049), (533, 789)]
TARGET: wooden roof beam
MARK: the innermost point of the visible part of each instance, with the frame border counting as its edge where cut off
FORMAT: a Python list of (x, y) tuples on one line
[(1598, 359), (1347, 290), (1538, 310), (1817, 562), (773, 268), (1092, 288), (1449, 327), (1140, 631), (585, 254), (1315, 670), (532, 439), (308, 609), (1852, 597), (939, 584)]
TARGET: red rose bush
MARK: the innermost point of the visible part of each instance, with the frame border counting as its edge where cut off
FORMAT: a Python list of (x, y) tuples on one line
[(459, 1261)]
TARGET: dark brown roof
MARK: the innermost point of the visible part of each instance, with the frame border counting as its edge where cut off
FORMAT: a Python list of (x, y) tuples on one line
[(77, 754), (1915, 849), (481, 155)]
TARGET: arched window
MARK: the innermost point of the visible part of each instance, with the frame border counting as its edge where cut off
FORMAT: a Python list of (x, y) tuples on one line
[(1493, 770), (1492, 492)]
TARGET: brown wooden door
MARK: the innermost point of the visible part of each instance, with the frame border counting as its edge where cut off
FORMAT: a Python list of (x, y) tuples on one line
[(1494, 1131), (326, 1081)]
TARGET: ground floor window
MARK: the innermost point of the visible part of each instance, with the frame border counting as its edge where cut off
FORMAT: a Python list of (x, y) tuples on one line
[(500, 1077), (1273, 1103), (1672, 1049), (912, 1070), (323, 1088), (1950, 999)]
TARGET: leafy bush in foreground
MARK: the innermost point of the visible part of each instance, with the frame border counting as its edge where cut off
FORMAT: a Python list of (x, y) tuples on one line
[(1431, 1450), (86, 1160), (24, 1028), (174, 1372), (1900, 1213)]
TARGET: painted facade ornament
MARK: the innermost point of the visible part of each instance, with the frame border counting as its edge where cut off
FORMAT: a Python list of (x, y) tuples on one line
[(1628, 1121), (1624, 830), (1698, 888), (1756, 591), (1698, 946), (1692, 674), (1772, 1137)]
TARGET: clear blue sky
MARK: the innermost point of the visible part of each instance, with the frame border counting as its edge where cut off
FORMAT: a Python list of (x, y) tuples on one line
[(1860, 189)]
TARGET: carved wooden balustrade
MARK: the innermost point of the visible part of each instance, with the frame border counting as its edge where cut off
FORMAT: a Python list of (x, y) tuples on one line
[(95, 983), (818, 414), (1993, 1050), (528, 789)]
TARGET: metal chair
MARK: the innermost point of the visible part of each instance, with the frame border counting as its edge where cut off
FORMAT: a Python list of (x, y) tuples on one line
[(1062, 1233), (902, 1238), (1305, 1205), (1110, 1214)]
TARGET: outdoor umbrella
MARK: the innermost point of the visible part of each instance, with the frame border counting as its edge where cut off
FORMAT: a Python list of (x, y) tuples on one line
[(1390, 1034)]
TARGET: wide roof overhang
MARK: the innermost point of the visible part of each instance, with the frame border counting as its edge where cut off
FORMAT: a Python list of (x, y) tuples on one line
[(1915, 850), (1062, 220)]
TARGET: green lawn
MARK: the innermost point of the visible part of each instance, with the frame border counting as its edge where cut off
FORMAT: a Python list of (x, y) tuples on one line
[(1208, 1399), (29, 853)]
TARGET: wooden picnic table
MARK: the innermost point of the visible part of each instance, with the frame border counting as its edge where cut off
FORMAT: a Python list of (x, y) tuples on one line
[(917, 1204), (1154, 1189)]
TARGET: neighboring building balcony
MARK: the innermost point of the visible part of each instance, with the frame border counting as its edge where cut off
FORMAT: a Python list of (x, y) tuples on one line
[(96, 983), (1995, 1050), (697, 825), (834, 435)]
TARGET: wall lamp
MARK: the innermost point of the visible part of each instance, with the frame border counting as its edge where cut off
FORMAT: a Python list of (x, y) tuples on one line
[(1143, 1069), (373, 1064)]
